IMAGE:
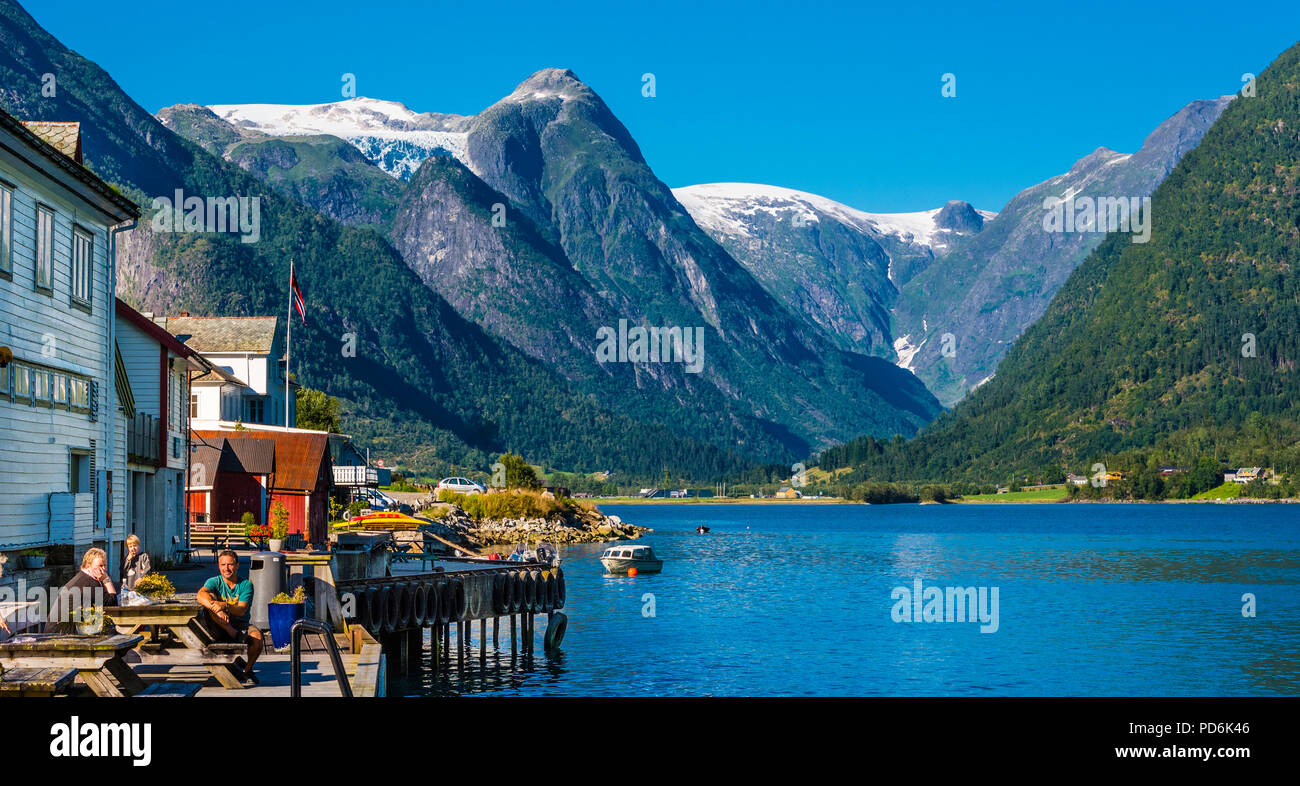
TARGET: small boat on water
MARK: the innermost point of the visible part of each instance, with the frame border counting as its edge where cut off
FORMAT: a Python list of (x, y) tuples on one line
[(620, 559), (545, 553), (701, 530)]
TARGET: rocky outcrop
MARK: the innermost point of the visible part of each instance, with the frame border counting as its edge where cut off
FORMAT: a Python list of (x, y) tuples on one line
[(585, 526)]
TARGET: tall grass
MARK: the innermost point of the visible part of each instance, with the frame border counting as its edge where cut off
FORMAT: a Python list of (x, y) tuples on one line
[(512, 504)]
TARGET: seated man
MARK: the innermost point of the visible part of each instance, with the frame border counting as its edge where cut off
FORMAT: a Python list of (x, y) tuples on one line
[(90, 587), (228, 603)]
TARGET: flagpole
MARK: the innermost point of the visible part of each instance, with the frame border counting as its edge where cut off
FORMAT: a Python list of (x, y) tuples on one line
[(288, 345)]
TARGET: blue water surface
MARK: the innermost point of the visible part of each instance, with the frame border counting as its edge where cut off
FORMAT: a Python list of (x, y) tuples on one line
[(795, 600)]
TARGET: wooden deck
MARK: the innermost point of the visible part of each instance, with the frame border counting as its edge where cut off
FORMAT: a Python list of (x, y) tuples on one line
[(272, 669)]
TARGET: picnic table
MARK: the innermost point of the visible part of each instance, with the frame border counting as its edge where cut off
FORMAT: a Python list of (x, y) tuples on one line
[(180, 618), (35, 682), (96, 657)]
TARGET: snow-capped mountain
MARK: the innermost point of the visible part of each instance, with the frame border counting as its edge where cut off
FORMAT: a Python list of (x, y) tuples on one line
[(727, 208), (394, 137), (839, 266)]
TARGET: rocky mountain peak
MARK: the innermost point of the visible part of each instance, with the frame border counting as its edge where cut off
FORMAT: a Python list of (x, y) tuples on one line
[(1097, 158), (551, 83), (960, 217)]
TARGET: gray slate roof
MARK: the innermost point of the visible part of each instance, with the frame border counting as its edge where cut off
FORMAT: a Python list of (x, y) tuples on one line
[(240, 454), (64, 137), (224, 334)]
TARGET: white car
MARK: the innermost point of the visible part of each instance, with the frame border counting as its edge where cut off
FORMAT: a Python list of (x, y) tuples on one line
[(461, 486)]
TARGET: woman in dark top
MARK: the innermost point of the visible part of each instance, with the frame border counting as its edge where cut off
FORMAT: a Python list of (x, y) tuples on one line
[(91, 583)]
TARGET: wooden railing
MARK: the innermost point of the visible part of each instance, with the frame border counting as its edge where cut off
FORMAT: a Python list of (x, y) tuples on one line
[(356, 476)]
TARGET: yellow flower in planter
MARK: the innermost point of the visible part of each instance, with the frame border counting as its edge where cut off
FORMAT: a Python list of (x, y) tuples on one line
[(155, 586), (299, 596)]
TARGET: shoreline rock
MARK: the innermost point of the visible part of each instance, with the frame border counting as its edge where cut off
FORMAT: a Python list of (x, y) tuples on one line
[(587, 527)]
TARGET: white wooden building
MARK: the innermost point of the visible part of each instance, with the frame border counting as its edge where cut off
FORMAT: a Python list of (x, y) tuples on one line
[(247, 384), (154, 421), (58, 227)]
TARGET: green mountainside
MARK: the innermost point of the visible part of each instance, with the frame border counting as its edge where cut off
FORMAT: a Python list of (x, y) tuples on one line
[(1169, 352), (990, 286)]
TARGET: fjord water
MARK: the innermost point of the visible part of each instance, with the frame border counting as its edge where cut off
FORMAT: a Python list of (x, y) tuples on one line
[(795, 600)]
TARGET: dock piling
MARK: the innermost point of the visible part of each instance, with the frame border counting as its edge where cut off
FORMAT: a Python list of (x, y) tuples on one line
[(414, 647), (434, 646), (460, 645)]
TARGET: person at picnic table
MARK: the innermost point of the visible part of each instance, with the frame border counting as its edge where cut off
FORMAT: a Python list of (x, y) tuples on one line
[(135, 563), (92, 583), (227, 601)]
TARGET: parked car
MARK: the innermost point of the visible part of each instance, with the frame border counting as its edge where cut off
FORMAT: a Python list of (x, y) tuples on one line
[(460, 486), (376, 500)]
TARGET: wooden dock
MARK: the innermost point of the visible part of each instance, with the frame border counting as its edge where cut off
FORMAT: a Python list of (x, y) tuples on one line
[(363, 664), (272, 669)]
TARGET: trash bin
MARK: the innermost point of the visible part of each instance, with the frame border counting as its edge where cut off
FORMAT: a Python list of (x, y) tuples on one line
[(267, 572)]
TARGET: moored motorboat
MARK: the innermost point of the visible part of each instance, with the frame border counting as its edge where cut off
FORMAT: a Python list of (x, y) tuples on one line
[(621, 559), (545, 553)]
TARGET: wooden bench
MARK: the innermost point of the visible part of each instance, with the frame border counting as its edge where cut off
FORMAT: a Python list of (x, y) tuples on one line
[(35, 682), (224, 660), (171, 689), (217, 535)]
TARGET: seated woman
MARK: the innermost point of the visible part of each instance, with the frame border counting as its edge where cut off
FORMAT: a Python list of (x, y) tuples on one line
[(135, 563), (91, 586)]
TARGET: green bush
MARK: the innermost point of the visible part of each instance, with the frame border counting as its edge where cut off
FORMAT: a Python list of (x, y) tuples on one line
[(279, 520), (516, 503), (519, 473)]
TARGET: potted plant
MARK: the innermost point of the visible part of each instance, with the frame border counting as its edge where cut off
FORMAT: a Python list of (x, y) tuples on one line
[(258, 535), (32, 559), (156, 587), (282, 612), (279, 525), (89, 620)]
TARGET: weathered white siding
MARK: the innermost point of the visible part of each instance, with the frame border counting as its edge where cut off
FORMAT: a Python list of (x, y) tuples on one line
[(47, 329), (140, 356)]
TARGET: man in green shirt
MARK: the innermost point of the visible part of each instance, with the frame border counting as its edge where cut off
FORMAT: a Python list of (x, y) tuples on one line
[(228, 601)]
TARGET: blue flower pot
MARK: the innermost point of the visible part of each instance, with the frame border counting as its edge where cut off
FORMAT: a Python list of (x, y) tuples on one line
[(281, 617)]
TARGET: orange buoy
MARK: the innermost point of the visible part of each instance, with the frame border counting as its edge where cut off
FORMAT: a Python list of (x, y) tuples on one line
[(631, 572)]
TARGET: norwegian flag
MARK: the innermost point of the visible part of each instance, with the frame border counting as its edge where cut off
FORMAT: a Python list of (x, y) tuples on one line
[(298, 303)]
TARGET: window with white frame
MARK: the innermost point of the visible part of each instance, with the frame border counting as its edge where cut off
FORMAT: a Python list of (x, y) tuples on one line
[(45, 387), (82, 264), (6, 229), (44, 247), (194, 406)]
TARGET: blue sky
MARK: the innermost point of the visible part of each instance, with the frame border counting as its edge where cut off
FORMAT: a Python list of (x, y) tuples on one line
[(840, 99)]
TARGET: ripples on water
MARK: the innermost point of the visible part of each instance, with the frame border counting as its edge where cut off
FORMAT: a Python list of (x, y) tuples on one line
[(795, 600)]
